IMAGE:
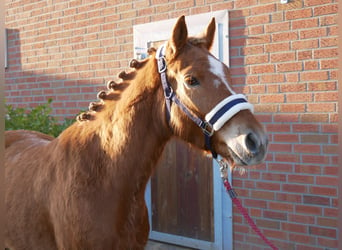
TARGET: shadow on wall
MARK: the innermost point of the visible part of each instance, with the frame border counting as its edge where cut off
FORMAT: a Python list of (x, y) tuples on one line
[(34, 76)]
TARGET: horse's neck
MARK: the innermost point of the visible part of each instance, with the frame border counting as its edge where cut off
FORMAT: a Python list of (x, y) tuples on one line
[(125, 141)]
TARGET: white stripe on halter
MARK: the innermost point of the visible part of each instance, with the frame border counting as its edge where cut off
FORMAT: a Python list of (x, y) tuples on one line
[(228, 114)]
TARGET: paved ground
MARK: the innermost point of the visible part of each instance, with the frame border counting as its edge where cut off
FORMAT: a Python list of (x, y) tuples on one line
[(154, 245)]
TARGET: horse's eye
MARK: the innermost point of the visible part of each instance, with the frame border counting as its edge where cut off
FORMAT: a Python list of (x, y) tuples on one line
[(191, 81)]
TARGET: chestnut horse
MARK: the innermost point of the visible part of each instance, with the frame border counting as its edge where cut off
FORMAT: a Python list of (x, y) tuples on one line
[(85, 188)]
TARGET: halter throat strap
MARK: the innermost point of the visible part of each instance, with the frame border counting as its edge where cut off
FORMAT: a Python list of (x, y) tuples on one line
[(215, 119)]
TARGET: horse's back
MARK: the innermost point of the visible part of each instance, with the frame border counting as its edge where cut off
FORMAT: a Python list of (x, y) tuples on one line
[(25, 168), (21, 136)]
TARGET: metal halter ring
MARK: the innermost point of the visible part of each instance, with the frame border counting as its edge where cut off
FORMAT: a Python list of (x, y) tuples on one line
[(207, 129)]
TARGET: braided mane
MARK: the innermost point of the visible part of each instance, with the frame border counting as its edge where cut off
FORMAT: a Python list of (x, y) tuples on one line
[(114, 89)]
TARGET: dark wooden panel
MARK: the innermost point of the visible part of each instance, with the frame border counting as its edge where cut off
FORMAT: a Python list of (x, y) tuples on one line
[(182, 193)]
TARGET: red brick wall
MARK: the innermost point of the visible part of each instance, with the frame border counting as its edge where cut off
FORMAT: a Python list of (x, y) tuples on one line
[(283, 56)]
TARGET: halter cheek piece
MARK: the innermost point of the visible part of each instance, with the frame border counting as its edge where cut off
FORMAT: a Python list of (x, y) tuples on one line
[(215, 119)]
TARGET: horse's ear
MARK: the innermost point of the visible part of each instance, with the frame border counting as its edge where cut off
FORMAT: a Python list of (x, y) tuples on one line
[(179, 37), (209, 33)]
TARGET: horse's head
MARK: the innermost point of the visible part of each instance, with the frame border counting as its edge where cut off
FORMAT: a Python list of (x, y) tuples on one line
[(202, 83)]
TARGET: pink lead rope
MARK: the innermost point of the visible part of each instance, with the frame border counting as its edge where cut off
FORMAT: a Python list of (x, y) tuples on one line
[(236, 201)]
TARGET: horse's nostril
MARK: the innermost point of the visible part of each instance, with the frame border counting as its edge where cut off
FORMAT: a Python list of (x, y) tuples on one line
[(252, 143)]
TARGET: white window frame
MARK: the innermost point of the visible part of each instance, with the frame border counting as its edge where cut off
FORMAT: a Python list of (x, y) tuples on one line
[(223, 219)]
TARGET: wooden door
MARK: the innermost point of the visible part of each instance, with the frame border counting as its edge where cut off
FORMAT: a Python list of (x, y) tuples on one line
[(182, 193)]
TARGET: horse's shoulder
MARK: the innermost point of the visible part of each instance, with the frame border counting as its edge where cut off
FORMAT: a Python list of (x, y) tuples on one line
[(14, 136)]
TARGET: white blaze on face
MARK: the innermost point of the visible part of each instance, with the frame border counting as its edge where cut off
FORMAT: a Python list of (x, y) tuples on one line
[(217, 68)]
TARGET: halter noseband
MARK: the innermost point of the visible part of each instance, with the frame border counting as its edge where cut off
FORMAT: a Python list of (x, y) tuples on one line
[(215, 119)]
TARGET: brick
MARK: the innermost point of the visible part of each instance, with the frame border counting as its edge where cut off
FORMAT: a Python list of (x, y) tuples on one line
[(330, 170), (247, 3), (257, 20), (261, 69), (329, 64), (328, 243), (316, 159), (255, 203), (304, 148), (258, 39), (294, 227), (325, 53), (281, 206), (328, 20), (294, 188), (277, 27), (300, 238), (272, 78), (308, 209), (272, 88), (274, 215), (286, 118), (262, 194), (251, 50), (326, 181), (314, 138), (321, 107), (274, 177), (330, 149), (316, 200), (243, 31), (284, 36), (225, 5), (332, 31), (299, 97), (315, 2), (280, 147), (286, 67), (268, 223), (184, 4), (326, 232), (327, 222), (304, 55), (329, 128), (323, 190), (279, 167), (277, 47), (293, 138), (276, 98), (291, 198), (328, 42), (305, 23), (331, 212), (322, 86), (314, 76), (268, 8), (325, 10), (257, 89), (313, 33), (283, 57), (257, 59), (305, 179), (298, 14), (326, 97), (275, 234), (305, 219), (305, 44), (256, 30), (333, 74)]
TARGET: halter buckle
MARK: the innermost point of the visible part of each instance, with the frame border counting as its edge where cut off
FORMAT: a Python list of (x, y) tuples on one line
[(168, 93), (161, 64), (207, 129)]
